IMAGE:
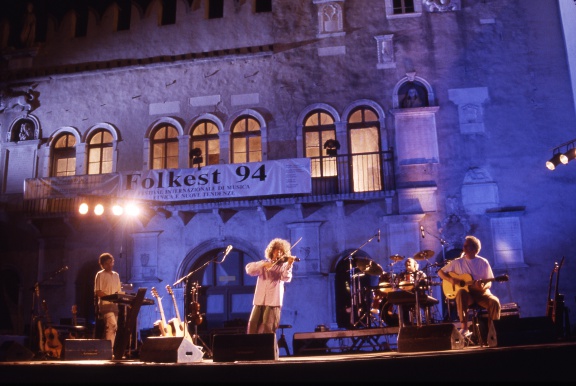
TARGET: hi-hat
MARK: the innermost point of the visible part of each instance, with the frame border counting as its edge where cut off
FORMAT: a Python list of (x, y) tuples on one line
[(368, 266), (396, 257), (423, 255)]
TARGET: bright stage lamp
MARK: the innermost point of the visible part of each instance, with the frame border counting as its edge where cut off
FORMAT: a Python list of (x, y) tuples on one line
[(117, 210), (98, 209), (568, 156), (554, 161), (83, 209)]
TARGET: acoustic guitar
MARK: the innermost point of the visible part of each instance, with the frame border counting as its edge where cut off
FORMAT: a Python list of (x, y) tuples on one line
[(165, 328), (177, 325), (52, 345), (450, 290)]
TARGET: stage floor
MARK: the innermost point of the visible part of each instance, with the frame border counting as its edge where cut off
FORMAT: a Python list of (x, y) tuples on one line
[(553, 362)]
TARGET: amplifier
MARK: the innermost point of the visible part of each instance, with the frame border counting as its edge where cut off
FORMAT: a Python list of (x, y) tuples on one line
[(85, 349), (506, 310)]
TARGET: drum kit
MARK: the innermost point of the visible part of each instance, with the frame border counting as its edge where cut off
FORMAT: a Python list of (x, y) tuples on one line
[(382, 312)]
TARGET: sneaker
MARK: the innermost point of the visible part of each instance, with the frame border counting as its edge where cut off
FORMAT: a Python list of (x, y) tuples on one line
[(465, 332)]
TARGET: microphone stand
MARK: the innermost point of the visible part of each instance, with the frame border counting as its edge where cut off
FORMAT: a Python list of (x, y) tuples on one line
[(194, 299), (443, 245)]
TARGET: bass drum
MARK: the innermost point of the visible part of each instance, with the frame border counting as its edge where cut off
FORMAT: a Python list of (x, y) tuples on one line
[(389, 314)]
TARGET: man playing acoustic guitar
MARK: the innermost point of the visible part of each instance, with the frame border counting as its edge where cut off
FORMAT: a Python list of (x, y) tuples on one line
[(477, 290)]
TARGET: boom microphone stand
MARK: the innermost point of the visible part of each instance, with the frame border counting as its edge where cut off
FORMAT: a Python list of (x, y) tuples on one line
[(194, 299)]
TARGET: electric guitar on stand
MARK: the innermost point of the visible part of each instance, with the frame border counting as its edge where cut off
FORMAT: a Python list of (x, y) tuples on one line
[(450, 290), (177, 325), (165, 329)]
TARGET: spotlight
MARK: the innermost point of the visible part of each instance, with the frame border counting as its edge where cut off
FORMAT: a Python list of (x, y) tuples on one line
[(568, 156), (98, 209), (117, 210), (83, 209)]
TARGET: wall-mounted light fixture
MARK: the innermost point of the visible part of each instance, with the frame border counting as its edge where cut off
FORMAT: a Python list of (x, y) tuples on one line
[(332, 146), (562, 157), (100, 208)]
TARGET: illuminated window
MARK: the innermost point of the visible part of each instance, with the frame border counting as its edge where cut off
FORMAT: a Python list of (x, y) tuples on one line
[(100, 152), (164, 145), (205, 137), (64, 156), (364, 139), (246, 140), (318, 128)]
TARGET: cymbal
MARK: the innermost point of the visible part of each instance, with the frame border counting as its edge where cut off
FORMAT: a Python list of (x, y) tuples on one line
[(423, 255), (368, 266), (396, 257)]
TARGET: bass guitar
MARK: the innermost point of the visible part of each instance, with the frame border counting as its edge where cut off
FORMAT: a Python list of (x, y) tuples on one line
[(52, 345), (177, 325), (450, 290), (165, 329)]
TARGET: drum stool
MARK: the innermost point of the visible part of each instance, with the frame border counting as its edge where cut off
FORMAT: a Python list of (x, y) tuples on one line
[(282, 343)]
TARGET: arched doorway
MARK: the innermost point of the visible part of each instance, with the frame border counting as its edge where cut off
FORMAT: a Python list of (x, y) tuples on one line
[(222, 290)]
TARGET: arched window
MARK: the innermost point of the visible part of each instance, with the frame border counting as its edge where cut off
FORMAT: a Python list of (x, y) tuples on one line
[(100, 152), (205, 137), (64, 156), (364, 140), (246, 140), (164, 145), (319, 133)]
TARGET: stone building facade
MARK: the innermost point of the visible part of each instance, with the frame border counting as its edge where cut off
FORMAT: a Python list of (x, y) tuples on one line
[(387, 128)]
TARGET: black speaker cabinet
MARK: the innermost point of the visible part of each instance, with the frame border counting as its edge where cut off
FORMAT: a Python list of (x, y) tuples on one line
[(11, 351), (433, 337), (521, 331), (244, 347), (170, 349), (86, 349)]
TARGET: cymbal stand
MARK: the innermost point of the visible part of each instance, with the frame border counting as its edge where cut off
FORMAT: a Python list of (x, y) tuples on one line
[(353, 285)]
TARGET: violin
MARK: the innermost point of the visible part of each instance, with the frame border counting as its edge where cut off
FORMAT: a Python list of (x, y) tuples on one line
[(195, 315)]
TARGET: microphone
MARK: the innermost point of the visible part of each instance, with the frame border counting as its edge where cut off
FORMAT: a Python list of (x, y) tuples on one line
[(378, 235), (422, 231), (228, 249)]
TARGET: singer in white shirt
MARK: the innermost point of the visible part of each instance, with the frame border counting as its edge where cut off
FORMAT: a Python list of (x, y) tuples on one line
[(272, 273)]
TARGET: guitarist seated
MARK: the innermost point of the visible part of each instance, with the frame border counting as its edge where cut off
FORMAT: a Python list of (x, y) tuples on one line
[(471, 275)]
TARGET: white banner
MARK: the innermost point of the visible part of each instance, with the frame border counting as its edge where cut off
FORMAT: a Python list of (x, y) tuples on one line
[(279, 177)]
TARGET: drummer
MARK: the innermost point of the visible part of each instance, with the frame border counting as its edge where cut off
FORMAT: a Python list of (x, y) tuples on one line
[(408, 278), (411, 275)]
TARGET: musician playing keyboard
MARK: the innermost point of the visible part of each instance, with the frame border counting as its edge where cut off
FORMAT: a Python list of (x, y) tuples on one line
[(470, 264), (107, 282)]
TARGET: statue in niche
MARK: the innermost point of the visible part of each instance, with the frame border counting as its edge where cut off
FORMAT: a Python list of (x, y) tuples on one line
[(411, 98), (440, 5), (25, 132), (28, 34)]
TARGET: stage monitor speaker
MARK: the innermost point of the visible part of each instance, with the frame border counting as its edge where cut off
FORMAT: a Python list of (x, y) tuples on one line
[(521, 331), (170, 349), (11, 351), (244, 347), (433, 337), (87, 349)]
